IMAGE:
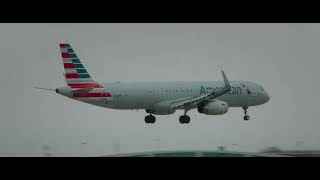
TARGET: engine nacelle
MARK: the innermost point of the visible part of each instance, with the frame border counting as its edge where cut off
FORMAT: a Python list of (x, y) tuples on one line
[(214, 108), (162, 108)]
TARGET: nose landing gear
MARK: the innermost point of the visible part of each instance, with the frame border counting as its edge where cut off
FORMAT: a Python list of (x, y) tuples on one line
[(246, 117)]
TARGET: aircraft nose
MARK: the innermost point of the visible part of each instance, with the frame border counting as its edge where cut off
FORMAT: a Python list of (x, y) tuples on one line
[(267, 96)]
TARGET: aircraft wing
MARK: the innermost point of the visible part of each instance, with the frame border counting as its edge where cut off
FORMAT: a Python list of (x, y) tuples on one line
[(195, 101)]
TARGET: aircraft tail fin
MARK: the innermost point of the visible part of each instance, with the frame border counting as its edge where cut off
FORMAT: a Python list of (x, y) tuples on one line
[(76, 74)]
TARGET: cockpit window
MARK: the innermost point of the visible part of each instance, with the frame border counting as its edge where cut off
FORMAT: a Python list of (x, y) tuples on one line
[(261, 88)]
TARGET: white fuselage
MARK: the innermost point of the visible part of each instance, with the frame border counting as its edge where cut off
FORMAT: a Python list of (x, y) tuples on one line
[(144, 95)]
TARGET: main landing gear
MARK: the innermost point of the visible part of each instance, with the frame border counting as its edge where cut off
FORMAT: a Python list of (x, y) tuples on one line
[(246, 117), (150, 119), (185, 119)]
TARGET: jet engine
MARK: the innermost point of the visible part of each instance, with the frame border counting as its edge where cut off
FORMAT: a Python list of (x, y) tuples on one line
[(213, 108)]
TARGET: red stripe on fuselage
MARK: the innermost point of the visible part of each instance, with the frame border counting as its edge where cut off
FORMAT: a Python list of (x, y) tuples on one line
[(92, 85), (94, 94)]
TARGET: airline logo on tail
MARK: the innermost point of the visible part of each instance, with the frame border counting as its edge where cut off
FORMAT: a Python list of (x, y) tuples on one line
[(75, 73), (77, 77)]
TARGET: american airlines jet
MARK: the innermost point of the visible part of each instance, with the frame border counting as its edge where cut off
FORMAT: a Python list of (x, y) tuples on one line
[(158, 98)]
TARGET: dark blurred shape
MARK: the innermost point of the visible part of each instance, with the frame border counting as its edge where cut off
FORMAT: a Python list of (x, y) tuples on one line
[(272, 149), (292, 153), (221, 148), (194, 154), (46, 151)]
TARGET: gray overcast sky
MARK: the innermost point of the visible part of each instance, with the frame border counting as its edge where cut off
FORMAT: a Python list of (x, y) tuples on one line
[(284, 58)]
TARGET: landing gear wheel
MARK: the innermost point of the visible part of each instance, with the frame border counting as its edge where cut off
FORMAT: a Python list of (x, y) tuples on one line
[(146, 119), (184, 119), (181, 119), (246, 118), (187, 119), (150, 119)]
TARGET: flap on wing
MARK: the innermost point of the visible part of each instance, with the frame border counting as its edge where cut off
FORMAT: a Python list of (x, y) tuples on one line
[(188, 102)]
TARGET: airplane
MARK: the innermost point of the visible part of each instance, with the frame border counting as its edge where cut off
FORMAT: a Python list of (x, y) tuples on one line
[(158, 98)]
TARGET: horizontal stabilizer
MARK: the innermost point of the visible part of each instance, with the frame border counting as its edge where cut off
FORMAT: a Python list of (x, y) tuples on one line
[(48, 89), (83, 90)]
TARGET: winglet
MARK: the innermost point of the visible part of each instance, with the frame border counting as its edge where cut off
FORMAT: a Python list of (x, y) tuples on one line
[(225, 79)]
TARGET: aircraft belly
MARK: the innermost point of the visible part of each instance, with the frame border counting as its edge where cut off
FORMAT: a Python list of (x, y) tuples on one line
[(133, 103), (233, 101)]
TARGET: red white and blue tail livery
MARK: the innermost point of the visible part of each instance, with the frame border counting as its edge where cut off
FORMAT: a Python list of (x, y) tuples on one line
[(77, 77), (75, 73)]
